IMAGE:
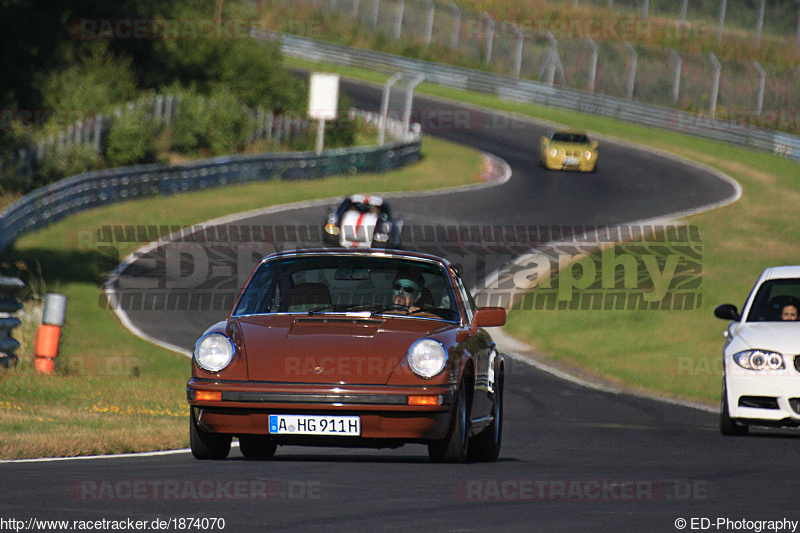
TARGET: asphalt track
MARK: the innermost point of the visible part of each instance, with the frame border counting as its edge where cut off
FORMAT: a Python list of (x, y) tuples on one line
[(574, 458)]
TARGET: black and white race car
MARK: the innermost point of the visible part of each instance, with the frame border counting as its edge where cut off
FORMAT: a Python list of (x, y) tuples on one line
[(363, 221)]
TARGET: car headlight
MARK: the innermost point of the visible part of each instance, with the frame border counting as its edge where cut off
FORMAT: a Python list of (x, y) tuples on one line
[(214, 352), (553, 152), (587, 154), (331, 228), (759, 360), (427, 357)]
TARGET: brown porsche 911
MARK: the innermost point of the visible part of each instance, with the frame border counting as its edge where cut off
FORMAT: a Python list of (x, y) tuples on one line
[(350, 348)]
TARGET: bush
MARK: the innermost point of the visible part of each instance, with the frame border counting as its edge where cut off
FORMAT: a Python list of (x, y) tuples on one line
[(189, 130), (227, 124), (94, 81), (61, 163), (131, 140)]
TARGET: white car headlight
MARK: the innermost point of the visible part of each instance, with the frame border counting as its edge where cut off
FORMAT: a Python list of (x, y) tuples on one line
[(587, 154), (759, 360), (553, 152), (427, 357), (214, 352)]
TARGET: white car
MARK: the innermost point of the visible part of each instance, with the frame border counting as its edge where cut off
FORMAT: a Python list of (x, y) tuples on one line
[(761, 382)]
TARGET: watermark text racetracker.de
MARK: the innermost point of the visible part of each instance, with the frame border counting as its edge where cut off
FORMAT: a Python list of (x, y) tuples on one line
[(517, 267), (735, 524), (579, 489), (175, 523)]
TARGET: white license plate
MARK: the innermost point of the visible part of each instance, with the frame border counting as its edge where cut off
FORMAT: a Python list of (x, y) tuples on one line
[(340, 426), (570, 160)]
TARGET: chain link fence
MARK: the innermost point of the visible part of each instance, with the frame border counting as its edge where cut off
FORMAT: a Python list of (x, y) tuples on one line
[(520, 90), (593, 52)]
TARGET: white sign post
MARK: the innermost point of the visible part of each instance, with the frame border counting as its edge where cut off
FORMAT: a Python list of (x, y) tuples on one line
[(322, 102)]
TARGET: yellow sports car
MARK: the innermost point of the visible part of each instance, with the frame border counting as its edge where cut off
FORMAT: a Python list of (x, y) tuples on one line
[(569, 150)]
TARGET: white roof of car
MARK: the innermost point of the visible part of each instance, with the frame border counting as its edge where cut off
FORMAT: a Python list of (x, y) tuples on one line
[(782, 272)]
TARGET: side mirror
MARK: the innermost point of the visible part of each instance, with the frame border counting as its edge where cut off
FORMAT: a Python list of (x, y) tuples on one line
[(594, 144), (727, 312), (545, 140), (487, 317)]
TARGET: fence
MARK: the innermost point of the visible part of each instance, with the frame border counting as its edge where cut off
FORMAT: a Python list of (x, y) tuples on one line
[(161, 110), (519, 90), (48, 204), (595, 54)]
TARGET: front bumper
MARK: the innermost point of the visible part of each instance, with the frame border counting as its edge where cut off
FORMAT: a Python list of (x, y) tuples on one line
[(385, 414), (770, 399), (560, 163)]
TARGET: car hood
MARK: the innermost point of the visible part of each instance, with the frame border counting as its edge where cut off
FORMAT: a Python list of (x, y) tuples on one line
[(357, 229), (330, 348), (783, 337)]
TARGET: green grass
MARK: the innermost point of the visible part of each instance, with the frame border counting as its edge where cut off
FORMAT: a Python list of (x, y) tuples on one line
[(114, 392), (672, 353)]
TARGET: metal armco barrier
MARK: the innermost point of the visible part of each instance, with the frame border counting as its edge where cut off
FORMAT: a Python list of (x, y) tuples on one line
[(8, 306), (520, 90), (45, 347), (53, 202)]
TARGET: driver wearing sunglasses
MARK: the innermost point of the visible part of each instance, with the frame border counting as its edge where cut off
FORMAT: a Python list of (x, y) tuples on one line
[(406, 290)]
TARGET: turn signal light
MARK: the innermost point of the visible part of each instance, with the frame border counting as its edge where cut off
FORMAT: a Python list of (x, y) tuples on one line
[(208, 396), (423, 400)]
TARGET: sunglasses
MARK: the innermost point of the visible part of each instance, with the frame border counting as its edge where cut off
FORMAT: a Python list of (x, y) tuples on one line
[(399, 287)]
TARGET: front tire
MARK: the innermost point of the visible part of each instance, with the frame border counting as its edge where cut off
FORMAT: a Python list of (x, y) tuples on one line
[(453, 448), (207, 445), (727, 425), (486, 445)]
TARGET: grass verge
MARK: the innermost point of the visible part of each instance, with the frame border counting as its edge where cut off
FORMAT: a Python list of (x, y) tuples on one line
[(672, 353), (115, 393)]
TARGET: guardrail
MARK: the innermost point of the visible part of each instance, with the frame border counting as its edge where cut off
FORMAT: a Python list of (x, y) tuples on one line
[(53, 202), (520, 90)]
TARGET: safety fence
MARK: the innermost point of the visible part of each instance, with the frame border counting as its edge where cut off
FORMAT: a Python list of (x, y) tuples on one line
[(544, 94)]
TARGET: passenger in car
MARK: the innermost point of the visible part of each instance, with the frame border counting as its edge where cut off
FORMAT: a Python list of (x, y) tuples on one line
[(789, 312)]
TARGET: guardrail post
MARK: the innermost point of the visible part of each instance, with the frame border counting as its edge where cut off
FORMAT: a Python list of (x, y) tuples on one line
[(489, 35), (762, 82), (715, 88), (429, 22), (684, 6), (592, 64), (8, 306), (398, 21), (723, 5), (518, 40), (457, 26), (409, 99), (45, 347), (385, 106), (676, 82), (632, 74), (760, 23)]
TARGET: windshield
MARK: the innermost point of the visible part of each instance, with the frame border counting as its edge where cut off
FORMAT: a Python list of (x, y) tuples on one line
[(776, 300), (341, 283), (571, 138)]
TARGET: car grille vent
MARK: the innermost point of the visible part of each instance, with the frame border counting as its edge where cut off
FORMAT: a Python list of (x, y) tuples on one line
[(759, 402), (794, 403), (797, 362)]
